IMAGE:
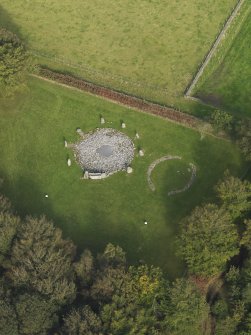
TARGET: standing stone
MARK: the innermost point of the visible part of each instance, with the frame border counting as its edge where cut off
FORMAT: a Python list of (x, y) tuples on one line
[(137, 136), (141, 153), (80, 132), (129, 169), (86, 175), (102, 120), (65, 144), (69, 162), (123, 125)]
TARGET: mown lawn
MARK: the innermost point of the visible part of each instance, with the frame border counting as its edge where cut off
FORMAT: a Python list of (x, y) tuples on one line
[(92, 213), (229, 86), (156, 46)]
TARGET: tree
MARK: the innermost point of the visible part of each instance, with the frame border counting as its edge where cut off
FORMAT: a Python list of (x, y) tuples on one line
[(222, 120), (234, 194), (36, 315), (41, 260), (235, 294), (233, 286), (85, 268), (138, 306), (113, 256), (243, 131), (5, 205), (244, 287), (8, 227), (13, 63), (245, 284), (187, 309), (208, 240), (246, 237), (110, 273), (8, 317), (82, 322), (229, 325)]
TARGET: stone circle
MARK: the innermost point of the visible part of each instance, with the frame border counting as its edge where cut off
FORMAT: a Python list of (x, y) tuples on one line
[(166, 158), (104, 151)]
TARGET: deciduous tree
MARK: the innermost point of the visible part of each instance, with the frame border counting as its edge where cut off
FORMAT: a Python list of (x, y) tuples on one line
[(234, 194), (42, 261), (13, 63), (8, 227), (243, 131), (8, 317), (36, 315), (221, 120), (187, 310), (82, 321), (109, 275), (246, 237), (85, 268), (138, 306), (208, 240)]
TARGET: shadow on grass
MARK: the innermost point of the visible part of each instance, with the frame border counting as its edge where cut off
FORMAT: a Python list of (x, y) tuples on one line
[(28, 198), (7, 22)]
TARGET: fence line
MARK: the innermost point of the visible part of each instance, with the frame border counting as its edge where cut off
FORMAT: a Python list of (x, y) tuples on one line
[(188, 93)]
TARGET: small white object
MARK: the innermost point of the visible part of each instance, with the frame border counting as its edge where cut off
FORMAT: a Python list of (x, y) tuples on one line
[(46, 196), (86, 175), (65, 144), (145, 222), (102, 120), (69, 162), (80, 132), (129, 169), (137, 135), (123, 125), (141, 153)]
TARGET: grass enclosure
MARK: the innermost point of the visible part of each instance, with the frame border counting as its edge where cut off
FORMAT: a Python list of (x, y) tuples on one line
[(147, 48), (226, 83), (92, 213)]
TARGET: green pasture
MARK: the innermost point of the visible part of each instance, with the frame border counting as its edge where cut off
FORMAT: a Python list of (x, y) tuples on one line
[(147, 48), (228, 86), (93, 213)]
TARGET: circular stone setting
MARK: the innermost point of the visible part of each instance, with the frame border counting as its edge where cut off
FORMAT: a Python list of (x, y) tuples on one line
[(105, 150)]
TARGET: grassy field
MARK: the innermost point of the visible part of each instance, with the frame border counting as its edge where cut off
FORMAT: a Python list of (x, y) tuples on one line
[(148, 48), (228, 86), (92, 213)]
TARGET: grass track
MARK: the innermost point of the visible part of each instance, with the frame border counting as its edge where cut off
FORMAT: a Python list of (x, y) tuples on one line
[(33, 162)]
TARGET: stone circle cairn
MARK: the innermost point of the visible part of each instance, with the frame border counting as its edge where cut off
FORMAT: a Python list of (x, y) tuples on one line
[(104, 152)]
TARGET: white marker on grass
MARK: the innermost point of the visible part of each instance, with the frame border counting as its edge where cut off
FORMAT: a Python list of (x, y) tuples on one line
[(46, 196)]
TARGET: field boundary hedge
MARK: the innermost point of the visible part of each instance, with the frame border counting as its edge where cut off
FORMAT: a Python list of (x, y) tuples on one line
[(121, 98)]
